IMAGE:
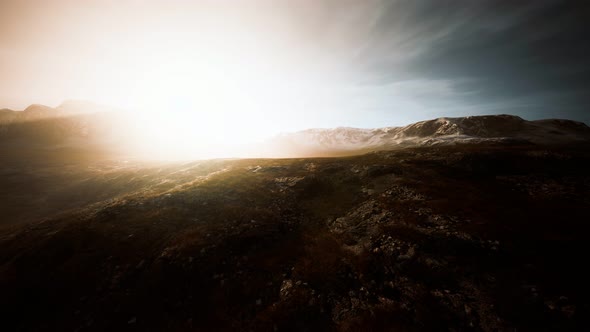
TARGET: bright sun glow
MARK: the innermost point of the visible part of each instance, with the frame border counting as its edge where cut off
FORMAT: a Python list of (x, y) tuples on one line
[(212, 98), (206, 100), (200, 78)]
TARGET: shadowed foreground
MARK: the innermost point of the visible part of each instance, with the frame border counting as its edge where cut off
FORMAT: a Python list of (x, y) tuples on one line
[(440, 238)]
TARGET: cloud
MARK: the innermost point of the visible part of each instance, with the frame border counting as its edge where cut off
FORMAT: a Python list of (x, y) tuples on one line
[(528, 56)]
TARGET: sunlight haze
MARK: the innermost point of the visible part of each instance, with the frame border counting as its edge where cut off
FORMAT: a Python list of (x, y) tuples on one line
[(209, 74)]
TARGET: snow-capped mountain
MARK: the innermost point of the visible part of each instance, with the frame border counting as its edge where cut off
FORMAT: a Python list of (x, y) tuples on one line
[(441, 131)]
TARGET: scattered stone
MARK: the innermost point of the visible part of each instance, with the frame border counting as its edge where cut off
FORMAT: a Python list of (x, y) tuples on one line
[(409, 254), (286, 287)]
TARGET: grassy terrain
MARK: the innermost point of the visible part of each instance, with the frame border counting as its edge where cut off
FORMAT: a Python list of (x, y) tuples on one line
[(442, 238)]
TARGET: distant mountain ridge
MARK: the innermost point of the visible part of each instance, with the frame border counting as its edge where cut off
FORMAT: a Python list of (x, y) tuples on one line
[(74, 123), (36, 112), (82, 124), (441, 131)]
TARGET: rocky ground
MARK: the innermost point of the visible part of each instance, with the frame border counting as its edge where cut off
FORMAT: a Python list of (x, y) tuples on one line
[(483, 238)]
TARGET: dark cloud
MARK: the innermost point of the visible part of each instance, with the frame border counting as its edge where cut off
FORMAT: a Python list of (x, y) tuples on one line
[(530, 57)]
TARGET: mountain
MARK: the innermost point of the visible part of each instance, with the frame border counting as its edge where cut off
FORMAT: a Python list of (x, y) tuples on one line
[(459, 229), (32, 113), (499, 129), (36, 112), (79, 125), (40, 110), (7, 115), (84, 125)]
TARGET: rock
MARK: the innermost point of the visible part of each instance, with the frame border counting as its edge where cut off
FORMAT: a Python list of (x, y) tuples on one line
[(254, 169), (409, 254), (286, 288), (310, 167), (287, 182)]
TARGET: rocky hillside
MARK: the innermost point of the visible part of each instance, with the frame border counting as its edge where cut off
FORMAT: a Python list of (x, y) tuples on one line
[(452, 238)]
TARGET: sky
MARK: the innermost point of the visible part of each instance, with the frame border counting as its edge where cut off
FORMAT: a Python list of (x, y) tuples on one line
[(275, 66)]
